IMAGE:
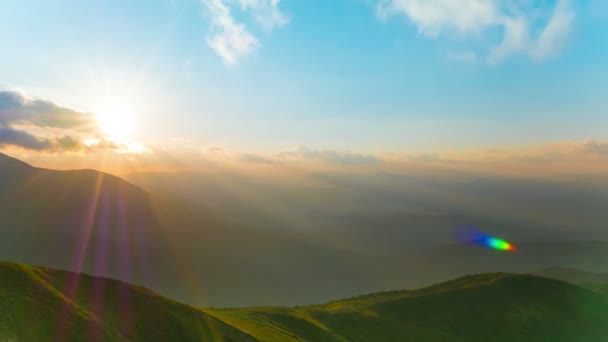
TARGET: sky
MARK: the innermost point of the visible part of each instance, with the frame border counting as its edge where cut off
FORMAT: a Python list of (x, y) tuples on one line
[(340, 82)]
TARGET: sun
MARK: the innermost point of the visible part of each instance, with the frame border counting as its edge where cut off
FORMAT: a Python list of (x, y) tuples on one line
[(115, 120)]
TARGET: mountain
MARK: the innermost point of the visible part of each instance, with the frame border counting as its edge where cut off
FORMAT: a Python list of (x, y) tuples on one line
[(589, 255), (572, 275), (591, 280), (413, 211), (277, 245), (486, 307), (88, 221), (41, 304), (82, 220)]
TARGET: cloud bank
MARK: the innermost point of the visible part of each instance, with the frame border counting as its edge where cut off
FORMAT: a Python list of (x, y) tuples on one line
[(232, 39), (9, 136), (42, 125), (16, 108), (534, 29), (20, 114)]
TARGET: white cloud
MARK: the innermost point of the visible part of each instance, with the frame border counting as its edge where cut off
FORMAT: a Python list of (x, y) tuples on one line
[(552, 37), (532, 31), (515, 39), (231, 39), (266, 12), (434, 17)]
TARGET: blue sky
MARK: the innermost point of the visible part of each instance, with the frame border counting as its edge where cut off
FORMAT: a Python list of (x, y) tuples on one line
[(362, 75)]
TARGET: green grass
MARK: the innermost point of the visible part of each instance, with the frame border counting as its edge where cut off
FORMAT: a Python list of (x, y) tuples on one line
[(599, 288), (489, 307), (29, 307), (39, 304), (597, 282)]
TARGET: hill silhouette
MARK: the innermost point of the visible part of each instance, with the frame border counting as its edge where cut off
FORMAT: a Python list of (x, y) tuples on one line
[(85, 220), (89, 221), (42, 304), (82, 220)]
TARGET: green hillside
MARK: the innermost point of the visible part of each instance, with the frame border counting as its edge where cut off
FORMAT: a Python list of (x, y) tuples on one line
[(489, 307), (591, 280), (40, 304)]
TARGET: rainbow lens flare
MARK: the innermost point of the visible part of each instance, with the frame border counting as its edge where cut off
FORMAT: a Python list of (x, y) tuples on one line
[(495, 243), (474, 237)]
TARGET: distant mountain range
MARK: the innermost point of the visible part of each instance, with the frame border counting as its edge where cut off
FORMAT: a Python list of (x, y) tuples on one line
[(41, 304), (84, 220), (211, 252)]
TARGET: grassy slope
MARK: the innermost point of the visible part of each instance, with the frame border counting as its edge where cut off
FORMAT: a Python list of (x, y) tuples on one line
[(37, 304), (490, 307), (591, 280), (600, 288)]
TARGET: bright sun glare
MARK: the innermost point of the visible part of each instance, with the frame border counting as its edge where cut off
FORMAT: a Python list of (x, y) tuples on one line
[(115, 120)]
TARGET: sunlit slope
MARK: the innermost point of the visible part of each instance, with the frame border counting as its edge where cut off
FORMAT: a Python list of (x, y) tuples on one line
[(40, 304), (489, 307)]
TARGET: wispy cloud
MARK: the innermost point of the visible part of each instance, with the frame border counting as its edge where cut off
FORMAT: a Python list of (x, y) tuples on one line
[(231, 39), (254, 158), (552, 37), (329, 156), (597, 148), (436, 17), (266, 13), (300, 156), (529, 28), (562, 157)]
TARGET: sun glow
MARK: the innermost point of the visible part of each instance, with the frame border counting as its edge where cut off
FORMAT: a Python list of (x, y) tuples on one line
[(115, 120)]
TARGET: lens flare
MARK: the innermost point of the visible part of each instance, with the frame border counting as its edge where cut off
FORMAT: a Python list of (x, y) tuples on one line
[(495, 243), (474, 237)]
